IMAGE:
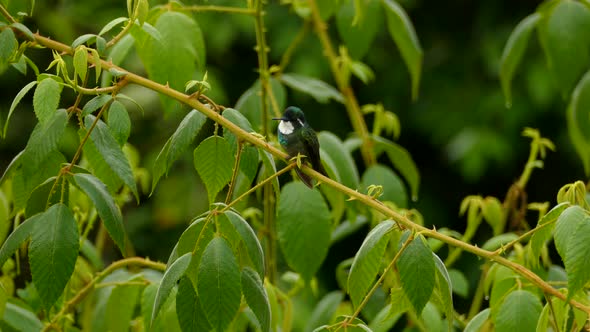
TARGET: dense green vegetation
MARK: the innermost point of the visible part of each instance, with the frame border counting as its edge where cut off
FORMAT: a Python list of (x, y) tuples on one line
[(143, 181)]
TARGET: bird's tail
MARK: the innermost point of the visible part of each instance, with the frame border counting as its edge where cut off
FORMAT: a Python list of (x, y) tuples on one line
[(304, 178)]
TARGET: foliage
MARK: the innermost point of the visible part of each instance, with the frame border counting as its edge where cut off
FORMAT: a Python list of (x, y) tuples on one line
[(252, 260)]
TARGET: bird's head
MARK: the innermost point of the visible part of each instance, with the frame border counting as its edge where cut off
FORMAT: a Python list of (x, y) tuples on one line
[(292, 119)]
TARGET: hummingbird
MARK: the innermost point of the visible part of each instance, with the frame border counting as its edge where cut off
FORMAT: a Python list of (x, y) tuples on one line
[(297, 137)]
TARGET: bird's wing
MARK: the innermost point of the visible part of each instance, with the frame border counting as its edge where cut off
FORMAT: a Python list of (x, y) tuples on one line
[(313, 147)]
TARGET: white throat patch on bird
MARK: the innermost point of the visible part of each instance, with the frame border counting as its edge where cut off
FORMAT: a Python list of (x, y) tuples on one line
[(286, 127)]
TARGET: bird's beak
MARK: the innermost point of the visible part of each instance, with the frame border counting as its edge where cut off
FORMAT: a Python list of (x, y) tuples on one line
[(282, 119)]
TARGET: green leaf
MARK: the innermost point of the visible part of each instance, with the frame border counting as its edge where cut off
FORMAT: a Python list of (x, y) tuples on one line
[(219, 285), (191, 315), (544, 228), (109, 26), (13, 166), (120, 308), (324, 310), (40, 198), (401, 30), (5, 224), (53, 251), (321, 91), (402, 161), (445, 289), (31, 175), (343, 161), (520, 311), (256, 297), (95, 103), (184, 135), (565, 228), (393, 188), (181, 40), (44, 139), (15, 102), (8, 45), (23, 28), (173, 273), (476, 323), (249, 158), (119, 122), (498, 241), (118, 53), (358, 36), (17, 237), (105, 206), (111, 152), (578, 120), (367, 261), (46, 99), (81, 62), (417, 273), (303, 228), (214, 162), (86, 38), (576, 261), (250, 241), (513, 52), (250, 105), (564, 32), (21, 319)]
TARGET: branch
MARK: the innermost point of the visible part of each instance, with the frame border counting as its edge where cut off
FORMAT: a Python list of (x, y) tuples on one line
[(366, 200)]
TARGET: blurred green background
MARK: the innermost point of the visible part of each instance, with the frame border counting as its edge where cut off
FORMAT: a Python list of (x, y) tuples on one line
[(459, 132)]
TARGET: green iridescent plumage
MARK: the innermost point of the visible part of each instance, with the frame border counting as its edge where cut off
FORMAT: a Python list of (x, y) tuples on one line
[(297, 137)]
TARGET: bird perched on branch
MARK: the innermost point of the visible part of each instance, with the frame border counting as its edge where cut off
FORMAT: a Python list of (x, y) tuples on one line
[(297, 137)]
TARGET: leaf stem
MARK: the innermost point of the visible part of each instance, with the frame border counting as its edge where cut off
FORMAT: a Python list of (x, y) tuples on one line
[(6, 14), (286, 58), (354, 111), (92, 284)]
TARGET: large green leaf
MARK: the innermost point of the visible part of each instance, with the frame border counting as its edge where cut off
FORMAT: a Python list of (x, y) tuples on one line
[(53, 251), (28, 178), (270, 168), (8, 45), (21, 319), (303, 227), (249, 156), (403, 34), (105, 206), (184, 135), (44, 140), (119, 122), (544, 228), (46, 99), (250, 241), (564, 32), (256, 297), (417, 272), (513, 52), (120, 308), (95, 103), (367, 261), (576, 261), (578, 120), (191, 315), (519, 312), (174, 58), (359, 35), (565, 228), (342, 158), (393, 188), (42, 196), (111, 152), (321, 91), (15, 102), (214, 162), (173, 273), (402, 161), (219, 285), (17, 237)]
